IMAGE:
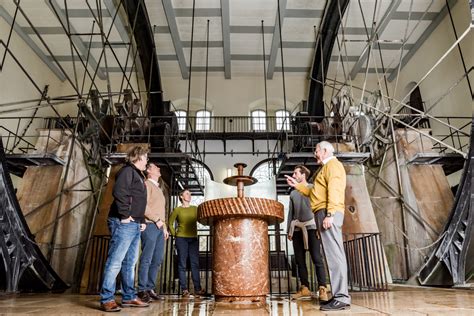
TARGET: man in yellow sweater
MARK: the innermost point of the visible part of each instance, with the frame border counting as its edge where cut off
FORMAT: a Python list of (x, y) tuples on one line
[(327, 202)]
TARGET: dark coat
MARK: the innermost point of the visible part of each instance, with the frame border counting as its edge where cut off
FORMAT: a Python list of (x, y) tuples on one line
[(129, 194)]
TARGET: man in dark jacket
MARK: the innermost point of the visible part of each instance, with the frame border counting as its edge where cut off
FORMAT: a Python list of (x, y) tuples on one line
[(126, 220)]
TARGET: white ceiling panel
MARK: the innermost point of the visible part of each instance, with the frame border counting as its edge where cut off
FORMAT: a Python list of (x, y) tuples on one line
[(305, 4), (422, 5), (164, 44), (397, 29), (198, 4), (294, 57), (245, 37), (200, 28), (249, 44), (299, 29), (216, 57)]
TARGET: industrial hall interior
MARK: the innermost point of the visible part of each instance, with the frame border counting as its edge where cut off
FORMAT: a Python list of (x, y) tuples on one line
[(251, 157)]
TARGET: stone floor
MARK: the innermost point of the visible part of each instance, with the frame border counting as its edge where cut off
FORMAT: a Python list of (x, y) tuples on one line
[(400, 300)]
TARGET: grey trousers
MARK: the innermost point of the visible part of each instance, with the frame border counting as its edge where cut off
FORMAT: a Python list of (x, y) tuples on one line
[(335, 256)]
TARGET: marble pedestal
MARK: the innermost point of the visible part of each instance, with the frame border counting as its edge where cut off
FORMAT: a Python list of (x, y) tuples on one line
[(240, 271)]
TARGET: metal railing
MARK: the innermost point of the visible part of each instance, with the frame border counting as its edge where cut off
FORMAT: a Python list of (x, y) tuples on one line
[(99, 247), (447, 132), (366, 264), (238, 124), (26, 134)]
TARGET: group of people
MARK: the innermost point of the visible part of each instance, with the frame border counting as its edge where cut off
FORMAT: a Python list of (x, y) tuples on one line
[(138, 213), (315, 218), (316, 214)]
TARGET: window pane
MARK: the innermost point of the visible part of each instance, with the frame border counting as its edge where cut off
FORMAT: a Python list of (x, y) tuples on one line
[(181, 115), (203, 120), (266, 170), (283, 120), (259, 120)]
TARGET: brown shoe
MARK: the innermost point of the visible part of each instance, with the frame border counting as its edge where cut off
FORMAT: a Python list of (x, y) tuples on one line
[(110, 307), (144, 296), (200, 293), (323, 294), (304, 292), (154, 296), (186, 294), (135, 303)]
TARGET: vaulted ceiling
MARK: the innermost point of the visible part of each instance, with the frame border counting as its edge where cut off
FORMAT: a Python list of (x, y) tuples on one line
[(238, 30)]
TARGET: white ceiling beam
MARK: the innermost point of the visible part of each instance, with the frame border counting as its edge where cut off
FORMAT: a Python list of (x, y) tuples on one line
[(225, 20), (81, 47), (25, 37), (433, 25), (378, 31), (178, 46), (276, 39)]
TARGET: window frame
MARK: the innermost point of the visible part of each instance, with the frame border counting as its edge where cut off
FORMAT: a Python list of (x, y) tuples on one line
[(258, 123), (181, 120), (203, 123), (281, 123)]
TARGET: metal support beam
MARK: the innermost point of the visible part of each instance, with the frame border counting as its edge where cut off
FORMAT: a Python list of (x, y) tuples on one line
[(327, 35), (379, 30), (125, 34), (25, 37), (75, 39), (178, 46), (144, 37), (422, 39), (225, 19), (276, 40), (119, 23)]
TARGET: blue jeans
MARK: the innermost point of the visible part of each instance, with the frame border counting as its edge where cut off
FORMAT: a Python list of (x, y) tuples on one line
[(188, 247), (122, 257), (153, 244)]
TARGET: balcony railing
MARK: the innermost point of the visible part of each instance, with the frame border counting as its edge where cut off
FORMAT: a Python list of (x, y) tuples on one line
[(236, 124)]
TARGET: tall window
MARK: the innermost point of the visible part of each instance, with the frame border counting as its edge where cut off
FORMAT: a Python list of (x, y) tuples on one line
[(259, 120), (203, 120), (282, 120), (181, 115)]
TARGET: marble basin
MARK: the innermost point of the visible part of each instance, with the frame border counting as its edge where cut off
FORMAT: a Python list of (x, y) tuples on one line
[(240, 258)]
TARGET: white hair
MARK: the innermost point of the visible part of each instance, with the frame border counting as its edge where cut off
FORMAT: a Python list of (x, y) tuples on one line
[(326, 145)]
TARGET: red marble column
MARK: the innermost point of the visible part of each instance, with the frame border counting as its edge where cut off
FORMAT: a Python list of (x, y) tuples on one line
[(240, 260), (240, 252)]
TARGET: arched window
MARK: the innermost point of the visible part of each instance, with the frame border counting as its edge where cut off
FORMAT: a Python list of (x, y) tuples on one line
[(259, 120), (265, 169), (203, 120), (282, 120), (181, 115)]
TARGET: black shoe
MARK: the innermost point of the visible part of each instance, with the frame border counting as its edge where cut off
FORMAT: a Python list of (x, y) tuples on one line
[(144, 296), (154, 296), (326, 302), (335, 305)]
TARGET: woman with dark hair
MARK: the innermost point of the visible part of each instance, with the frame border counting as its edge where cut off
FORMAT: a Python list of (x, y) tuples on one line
[(187, 242)]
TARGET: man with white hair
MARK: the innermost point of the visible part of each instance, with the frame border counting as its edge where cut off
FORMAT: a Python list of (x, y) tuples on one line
[(327, 202)]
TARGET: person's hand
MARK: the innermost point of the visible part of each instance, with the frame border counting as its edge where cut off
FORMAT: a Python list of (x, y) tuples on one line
[(166, 233), (291, 181), (327, 222), (159, 224), (290, 238), (142, 227), (127, 220)]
